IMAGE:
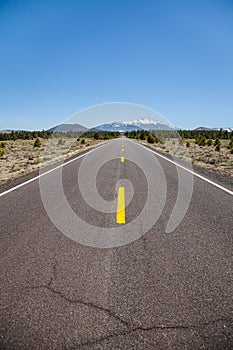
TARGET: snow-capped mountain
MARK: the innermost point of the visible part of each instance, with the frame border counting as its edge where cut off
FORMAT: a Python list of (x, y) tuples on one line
[(138, 124), (200, 128), (115, 127), (227, 129)]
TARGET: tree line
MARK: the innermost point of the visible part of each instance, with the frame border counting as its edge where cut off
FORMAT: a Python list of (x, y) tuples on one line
[(106, 135), (25, 135), (201, 137), (184, 134), (31, 135), (208, 134), (101, 135)]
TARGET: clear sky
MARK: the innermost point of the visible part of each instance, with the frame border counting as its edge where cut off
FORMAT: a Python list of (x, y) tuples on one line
[(57, 57)]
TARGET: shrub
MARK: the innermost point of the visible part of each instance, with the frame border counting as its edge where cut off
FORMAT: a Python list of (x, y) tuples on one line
[(217, 142), (61, 142), (209, 142), (187, 144), (142, 136), (151, 138), (3, 144), (217, 148), (157, 140), (212, 161), (83, 142), (37, 142), (202, 141), (1, 153)]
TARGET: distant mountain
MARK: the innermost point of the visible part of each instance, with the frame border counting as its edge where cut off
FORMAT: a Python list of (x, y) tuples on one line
[(68, 127), (6, 131), (114, 127), (138, 124), (204, 128)]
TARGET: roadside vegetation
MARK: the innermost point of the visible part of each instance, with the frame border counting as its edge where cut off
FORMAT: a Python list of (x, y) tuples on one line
[(22, 152), (31, 135), (25, 135), (212, 149)]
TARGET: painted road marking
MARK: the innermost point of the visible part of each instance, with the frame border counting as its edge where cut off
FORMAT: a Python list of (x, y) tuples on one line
[(188, 170), (122, 149), (93, 150), (120, 218), (122, 159)]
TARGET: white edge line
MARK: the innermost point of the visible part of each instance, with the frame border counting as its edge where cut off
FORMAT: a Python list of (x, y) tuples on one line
[(190, 171), (51, 170), (92, 150)]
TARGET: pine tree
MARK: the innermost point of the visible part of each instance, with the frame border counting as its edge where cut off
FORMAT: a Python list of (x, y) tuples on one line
[(37, 142)]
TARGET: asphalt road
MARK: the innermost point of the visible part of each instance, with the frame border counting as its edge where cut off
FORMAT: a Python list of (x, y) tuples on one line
[(169, 287)]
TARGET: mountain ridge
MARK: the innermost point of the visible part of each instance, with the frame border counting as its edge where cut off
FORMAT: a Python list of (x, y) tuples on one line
[(138, 124), (121, 126)]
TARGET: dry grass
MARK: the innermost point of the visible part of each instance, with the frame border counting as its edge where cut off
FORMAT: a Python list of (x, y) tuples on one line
[(20, 157), (203, 156)]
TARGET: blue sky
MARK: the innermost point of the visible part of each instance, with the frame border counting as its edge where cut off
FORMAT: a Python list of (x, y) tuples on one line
[(58, 57)]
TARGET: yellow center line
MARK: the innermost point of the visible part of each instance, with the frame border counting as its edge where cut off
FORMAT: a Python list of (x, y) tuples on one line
[(120, 217), (122, 159)]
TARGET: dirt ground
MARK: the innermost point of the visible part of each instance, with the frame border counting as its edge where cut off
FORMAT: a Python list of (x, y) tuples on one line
[(21, 157), (203, 156)]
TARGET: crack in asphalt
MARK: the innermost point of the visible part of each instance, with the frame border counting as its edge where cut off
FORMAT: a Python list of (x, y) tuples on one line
[(145, 329), (87, 303), (49, 287), (54, 273), (130, 327)]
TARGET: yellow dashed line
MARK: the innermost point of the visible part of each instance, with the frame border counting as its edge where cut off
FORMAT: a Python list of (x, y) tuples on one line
[(120, 218), (122, 159)]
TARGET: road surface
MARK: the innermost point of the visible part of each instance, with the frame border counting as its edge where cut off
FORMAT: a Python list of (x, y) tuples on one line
[(168, 288)]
